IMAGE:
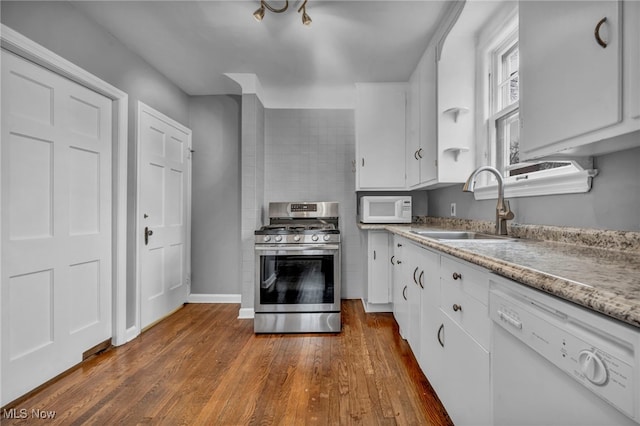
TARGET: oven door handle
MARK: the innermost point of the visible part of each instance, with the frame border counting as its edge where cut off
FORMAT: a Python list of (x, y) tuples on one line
[(300, 248)]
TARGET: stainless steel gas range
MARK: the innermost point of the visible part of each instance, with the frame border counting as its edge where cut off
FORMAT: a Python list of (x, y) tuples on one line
[(298, 269)]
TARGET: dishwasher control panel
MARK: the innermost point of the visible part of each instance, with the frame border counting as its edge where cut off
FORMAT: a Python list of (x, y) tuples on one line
[(582, 347)]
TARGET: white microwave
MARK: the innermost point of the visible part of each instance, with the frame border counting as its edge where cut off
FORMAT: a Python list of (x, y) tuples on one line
[(385, 209)]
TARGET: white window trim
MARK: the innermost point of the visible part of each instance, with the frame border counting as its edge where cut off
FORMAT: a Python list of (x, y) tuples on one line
[(548, 182)]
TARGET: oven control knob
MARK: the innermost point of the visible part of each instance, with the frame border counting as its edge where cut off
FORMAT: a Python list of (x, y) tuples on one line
[(296, 238), (279, 238), (326, 237), (267, 238), (314, 237), (592, 367)]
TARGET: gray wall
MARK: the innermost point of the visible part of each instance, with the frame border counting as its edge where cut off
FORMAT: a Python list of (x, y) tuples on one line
[(80, 40), (215, 240), (613, 202)]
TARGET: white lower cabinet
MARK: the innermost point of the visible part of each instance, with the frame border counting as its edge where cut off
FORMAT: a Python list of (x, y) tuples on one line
[(463, 336), (378, 271), (440, 304), (431, 354), (414, 276), (464, 388), (399, 285)]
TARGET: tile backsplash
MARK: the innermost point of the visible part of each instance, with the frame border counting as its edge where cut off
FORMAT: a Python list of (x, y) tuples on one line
[(308, 157)]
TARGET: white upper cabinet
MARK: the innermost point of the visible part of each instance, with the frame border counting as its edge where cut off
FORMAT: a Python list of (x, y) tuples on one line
[(380, 136), (580, 72), (421, 123), (413, 130), (440, 136)]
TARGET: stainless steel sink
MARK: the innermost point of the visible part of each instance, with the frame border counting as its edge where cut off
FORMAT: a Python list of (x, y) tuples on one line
[(461, 235)]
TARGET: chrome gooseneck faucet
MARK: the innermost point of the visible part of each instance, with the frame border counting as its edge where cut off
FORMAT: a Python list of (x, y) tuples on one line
[(503, 211)]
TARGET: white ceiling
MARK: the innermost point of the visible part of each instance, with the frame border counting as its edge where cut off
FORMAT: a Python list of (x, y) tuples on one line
[(194, 43)]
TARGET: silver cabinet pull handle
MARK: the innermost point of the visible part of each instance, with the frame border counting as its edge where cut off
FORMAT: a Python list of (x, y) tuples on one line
[(596, 33), (392, 257), (420, 279), (415, 280), (420, 153), (404, 292), (374, 255), (440, 330)]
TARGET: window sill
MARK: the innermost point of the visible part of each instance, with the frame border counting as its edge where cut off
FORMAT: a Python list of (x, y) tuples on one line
[(566, 183)]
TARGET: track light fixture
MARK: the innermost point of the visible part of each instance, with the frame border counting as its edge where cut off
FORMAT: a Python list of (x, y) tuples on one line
[(259, 14), (306, 20)]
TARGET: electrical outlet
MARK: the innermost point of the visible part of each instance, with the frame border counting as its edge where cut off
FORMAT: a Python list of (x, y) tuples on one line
[(453, 209)]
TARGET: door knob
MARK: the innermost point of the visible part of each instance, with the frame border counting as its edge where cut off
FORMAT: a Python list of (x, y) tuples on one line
[(147, 233)]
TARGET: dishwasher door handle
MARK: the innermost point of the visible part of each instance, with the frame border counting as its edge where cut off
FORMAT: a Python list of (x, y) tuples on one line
[(510, 320)]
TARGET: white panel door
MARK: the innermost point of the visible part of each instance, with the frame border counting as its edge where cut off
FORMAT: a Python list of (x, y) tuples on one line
[(164, 156), (56, 224)]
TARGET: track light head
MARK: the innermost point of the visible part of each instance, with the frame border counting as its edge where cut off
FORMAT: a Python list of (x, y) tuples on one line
[(306, 20), (259, 14)]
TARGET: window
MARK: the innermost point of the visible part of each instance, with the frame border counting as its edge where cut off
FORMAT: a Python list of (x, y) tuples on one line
[(501, 63)]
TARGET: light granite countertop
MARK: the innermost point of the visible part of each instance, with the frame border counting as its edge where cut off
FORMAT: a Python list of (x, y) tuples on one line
[(597, 269)]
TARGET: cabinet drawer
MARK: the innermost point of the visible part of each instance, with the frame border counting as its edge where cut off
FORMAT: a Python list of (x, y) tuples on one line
[(472, 281), (466, 311)]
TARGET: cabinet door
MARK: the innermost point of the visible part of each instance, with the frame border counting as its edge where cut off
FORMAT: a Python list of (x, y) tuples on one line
[(466, 391), (430, 350), (428, 117), (400, 286), (413, 129), (570, 84), (378, 267), (413, 269), (380, 135)]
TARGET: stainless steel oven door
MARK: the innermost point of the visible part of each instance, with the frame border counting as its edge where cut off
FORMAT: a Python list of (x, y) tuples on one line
[(297, 278)]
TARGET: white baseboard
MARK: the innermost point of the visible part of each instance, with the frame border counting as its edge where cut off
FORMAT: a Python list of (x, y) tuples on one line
[(214, 298), (246, 313), (132, 333), (376, 307)]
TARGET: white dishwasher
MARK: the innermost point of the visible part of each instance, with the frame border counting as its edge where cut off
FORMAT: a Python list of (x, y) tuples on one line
[(556, 363)]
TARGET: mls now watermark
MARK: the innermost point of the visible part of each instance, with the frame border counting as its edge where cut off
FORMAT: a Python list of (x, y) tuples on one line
[(23, 413)]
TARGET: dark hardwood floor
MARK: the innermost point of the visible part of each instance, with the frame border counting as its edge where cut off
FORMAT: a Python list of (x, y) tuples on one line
[(202, 365)]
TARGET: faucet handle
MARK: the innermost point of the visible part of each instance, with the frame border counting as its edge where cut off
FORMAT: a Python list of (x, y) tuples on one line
[(506, 213)]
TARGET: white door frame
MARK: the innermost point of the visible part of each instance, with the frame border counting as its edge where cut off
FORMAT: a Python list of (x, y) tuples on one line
[(15, 42), (143, 108)]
